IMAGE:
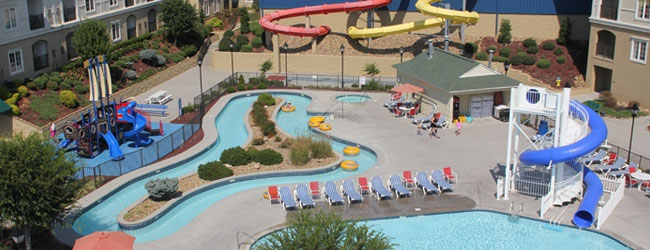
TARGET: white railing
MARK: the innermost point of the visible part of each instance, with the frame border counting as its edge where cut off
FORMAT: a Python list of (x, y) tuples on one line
[(534, 173), (618, 186), (532, 187), (500, 188), (545, 204), (610, 183), (578, 113), (566, 185)]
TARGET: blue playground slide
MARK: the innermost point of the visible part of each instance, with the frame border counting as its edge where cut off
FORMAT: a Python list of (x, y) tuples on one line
[(64, 143), (139, 124), (584, 217), (113, 146)]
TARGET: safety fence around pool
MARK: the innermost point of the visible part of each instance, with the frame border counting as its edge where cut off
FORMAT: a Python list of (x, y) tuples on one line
[(644, 162)]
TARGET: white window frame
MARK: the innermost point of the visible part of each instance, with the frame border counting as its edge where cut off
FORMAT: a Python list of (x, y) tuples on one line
[(634, 54), (10, 19), (90, 5), (113, 3), (22, 62), (116, 36), (637, 13)]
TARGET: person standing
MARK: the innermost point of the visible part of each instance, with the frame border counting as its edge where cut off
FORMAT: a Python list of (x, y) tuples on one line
[(458, 127), (53, 130)]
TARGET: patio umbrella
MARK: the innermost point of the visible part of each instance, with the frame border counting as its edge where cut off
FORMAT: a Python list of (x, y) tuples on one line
[(105, 241), (407, 88)]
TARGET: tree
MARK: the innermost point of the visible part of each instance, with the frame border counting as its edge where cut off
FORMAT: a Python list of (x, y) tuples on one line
[(504, 32), (180, 18), (90, 39), (325, 231), (565, 31), (371, 69), (244, 19), (37, 182), (266, 66)]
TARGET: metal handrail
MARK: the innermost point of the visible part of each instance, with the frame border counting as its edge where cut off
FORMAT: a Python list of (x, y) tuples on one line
[(245, 234)]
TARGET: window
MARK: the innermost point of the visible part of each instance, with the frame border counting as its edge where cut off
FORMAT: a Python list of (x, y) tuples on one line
[(639, 50), (16, 61), (643, 9), (113, 2), (115, 31), (10, 18), (90, 5)]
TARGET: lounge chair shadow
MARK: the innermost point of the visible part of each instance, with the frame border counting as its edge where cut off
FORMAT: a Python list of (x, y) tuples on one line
[(498, 171)]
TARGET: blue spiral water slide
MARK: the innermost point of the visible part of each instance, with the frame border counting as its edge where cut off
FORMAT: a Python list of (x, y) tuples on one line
[(584, 217)]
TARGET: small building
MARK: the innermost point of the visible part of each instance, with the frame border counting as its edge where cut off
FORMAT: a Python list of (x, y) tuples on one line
[(455, 85)]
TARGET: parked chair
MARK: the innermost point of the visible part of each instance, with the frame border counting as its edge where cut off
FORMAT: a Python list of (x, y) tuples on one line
[(423, 181), (273, 194), (377, 187), (397, 112), (332, 194), (440, 181), (450, 175), (595, 159), (392, 104), (408, 178), (315, 189), (630, 181), (619, 164), (303, 196), (412, 113), (287, 200), (363, 185), (395, 183), (425, 119), (350, 192), (611, 158)]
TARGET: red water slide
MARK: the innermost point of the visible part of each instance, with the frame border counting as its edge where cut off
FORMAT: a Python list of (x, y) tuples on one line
[(267, 20)]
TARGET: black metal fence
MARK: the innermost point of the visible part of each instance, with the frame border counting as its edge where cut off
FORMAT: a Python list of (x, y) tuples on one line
[(321, 80), (644, 162)]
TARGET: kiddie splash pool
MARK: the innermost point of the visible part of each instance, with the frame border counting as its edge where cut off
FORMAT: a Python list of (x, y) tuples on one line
[(353, 98)]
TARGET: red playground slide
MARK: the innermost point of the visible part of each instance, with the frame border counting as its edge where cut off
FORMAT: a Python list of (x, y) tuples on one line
[(267, 20)]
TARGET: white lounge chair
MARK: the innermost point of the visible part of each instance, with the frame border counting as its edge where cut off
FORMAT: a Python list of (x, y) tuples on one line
[(423, 181), (396, 184), (350, 192), (287, 200), (377, 187), (332, 194), (440, 181)]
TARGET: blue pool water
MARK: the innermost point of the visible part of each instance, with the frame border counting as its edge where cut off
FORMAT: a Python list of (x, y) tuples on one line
[(353, 98), (485, 230), (232, 132)]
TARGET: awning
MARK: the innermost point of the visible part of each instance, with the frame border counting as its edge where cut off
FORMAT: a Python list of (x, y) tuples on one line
[(4, 107), (407, 88)]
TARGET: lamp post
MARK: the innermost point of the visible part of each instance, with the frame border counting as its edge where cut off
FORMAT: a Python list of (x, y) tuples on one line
[(635, 111), (506, 66), (286, 64), (342, 48), (199, 62), (232, 65), (401, 54)]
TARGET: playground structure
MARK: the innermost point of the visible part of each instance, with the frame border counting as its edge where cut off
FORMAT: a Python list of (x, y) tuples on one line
[(109, 123), (548, 166)]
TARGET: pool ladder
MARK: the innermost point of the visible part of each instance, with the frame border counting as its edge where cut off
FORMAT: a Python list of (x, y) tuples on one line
[(554, 223), (515, 217), (239, 244)]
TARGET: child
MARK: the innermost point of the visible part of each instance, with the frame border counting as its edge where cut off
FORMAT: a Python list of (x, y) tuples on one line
[(458, 127), (433, 130)]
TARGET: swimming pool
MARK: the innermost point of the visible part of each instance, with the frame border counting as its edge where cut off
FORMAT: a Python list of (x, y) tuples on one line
[(484, 230), (353, 98), (103, 216)]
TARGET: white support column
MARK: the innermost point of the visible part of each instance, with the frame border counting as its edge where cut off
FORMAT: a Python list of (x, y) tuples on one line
[(563, 109), (513, 106)]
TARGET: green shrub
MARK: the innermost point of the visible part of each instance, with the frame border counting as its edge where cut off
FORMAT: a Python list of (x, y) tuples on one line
[(561, 59), (558, 52), (162, 189), (41, 81), (189, 108), (17, 82), (15, 110), (299, 155), (31, 85), (4, 93), (481, 56), (65, 86), (146, 45), (258, 141), (155, 45), (224, 44), (321, 149), (214, 170), (13, 99), (544, 63), (241, 87), (565, 31), (532, 50), (250, 87), (257, 42), (499, 59), (68, 98), (189, 50), (266, 99), (235, 156), (23, 91), (529, 60), (491, 47), (470, 48), (230, 89), (246, 48), (278, 139), (504, 52), (164, 49), (517, 59), (504, 32), (529, 42), (229, 34), (81, 89), (52, 85), (261, 86), (241, 40), (267, 157), (215, 22), (56, 77), (244, 23), (548, 45)]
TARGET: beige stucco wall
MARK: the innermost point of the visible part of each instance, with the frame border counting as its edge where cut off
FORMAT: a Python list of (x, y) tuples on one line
[(11, 125), (541, 27), (629, 79), (442, 98)]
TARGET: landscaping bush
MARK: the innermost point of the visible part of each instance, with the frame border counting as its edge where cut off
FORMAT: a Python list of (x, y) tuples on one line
[(504, 52), (558, 52), (246, 48), (255, 28), (241, 40), (504, 32), (261, 86), (548, 45), (65, 86), (162, 188), (518, 59), (188, 109), (481, 56), (68, 98), (235, 156), (257, 42), (241, 87), (13, 99), (470, 48), (23, 91), (321, 149), (31, 85), (228, 34), (267, 157), (231, 89), (266, 99), (529, 42), (56, 77), (499, 59), (52, 85), (250, 87), (299, 155), (41, 81), (151, 57), (278, 139), (244, 23), (146, 45), (532, 50), (189, 50), (81, 89), (544, 63), (491, 47), (529, 60), (565, 31), (214, 170), (258, 141), (561, 59), (15, 110), (164, 49), (608, 99), (224, 44), (130, 74), (214, 22)]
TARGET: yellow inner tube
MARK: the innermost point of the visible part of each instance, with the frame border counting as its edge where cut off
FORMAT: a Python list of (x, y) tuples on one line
[(318, 119), (351, 151), (349, 165), (288, 109), (266, 195), (325, 127), (313, 124)]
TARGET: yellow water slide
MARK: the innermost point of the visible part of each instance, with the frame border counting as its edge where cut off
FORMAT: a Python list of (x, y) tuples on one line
[(424, 6)]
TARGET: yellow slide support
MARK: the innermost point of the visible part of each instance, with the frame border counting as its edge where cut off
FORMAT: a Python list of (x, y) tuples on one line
[(424, 6)]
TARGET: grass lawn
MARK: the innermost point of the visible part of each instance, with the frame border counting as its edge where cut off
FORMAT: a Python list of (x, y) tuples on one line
[(616, 112), (46, 106)]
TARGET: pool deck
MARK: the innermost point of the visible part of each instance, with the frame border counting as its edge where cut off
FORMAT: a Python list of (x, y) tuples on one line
[(477, 155)]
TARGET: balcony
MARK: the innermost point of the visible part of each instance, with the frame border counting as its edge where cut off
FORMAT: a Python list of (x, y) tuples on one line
[(605, 50), (608, 12), (70, 14), (40, 62), (36, 21)]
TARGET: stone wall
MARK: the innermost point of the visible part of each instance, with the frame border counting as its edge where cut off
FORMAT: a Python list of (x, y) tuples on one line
[(11, 125)]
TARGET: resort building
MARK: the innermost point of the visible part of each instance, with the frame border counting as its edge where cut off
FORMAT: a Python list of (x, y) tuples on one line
[(36, 35), (455, 85), (618, 49)]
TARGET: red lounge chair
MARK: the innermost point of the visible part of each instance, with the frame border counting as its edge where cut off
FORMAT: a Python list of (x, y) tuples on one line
[(450, 175), (611, 159), (314, 188), (408, 177), (397, 112), (363, 185), (273, 194), (630, 181), (412, 112)]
